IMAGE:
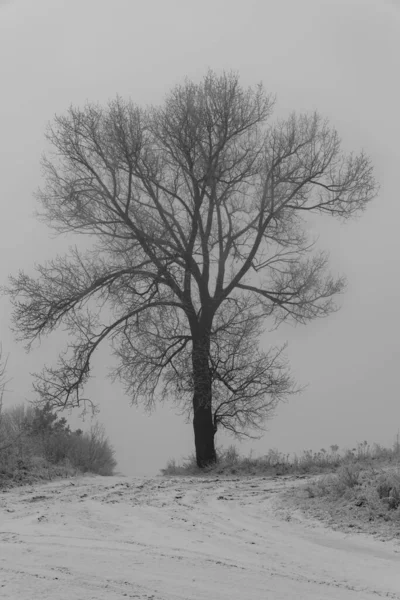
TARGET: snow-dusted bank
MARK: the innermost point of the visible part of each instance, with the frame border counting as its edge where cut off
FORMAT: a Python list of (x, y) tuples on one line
[(189, 539)]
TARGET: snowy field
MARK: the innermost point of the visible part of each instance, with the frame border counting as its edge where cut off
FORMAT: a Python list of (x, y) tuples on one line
[(189, 539)]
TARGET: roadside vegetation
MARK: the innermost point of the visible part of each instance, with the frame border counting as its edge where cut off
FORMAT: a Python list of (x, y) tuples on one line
[(363, 494), (35, 444), (230, 462), (356, 489)]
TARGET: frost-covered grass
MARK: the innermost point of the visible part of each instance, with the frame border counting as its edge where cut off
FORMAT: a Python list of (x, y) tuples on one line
[(278, 463), (359, 496)]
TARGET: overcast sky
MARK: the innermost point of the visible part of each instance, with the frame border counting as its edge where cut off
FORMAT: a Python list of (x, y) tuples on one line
[(340, 57)]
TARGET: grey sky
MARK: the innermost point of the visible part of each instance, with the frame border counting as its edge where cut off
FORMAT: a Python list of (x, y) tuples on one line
[(340, 57)]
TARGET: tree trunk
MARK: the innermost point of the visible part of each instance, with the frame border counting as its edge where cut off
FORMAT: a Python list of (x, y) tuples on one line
[(202, 409), (204, 436)]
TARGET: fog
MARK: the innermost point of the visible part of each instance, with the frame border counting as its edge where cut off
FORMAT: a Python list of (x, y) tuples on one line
[(341, 58)]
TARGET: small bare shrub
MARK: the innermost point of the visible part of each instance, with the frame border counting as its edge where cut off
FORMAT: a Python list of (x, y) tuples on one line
[(92, 452), (229, 457), (323, 486), (348, 476), (388, 489)]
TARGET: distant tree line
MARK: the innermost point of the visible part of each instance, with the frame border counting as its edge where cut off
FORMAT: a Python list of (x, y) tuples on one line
[(35, 441)]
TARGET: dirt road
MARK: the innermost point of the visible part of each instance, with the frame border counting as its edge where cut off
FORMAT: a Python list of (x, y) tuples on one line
[(188, 539)]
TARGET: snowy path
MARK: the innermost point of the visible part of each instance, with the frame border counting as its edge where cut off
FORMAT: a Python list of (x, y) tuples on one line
[(187, 539)]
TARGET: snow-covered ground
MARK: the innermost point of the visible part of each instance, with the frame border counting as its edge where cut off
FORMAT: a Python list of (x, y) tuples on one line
[(171, 538)]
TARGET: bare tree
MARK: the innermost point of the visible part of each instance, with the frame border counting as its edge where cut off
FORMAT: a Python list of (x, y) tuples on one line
[(3, 374), (7, 437), (196, 208)]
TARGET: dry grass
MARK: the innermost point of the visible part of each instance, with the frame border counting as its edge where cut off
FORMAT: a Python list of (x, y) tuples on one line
[(277, 463), (35, 470)]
